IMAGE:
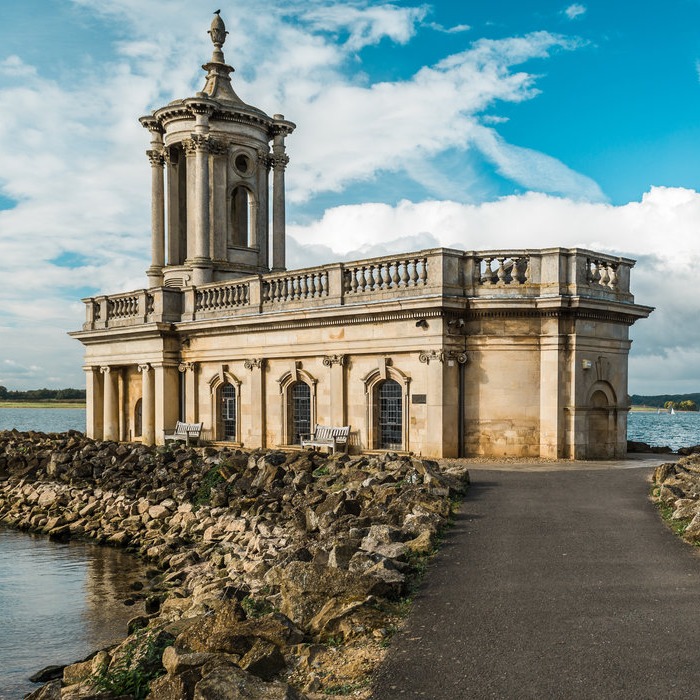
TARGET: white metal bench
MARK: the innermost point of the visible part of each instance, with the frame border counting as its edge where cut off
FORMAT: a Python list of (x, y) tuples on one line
[(185, 431), (328, 436)]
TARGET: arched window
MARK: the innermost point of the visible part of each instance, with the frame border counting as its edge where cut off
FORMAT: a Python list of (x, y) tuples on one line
[(242, 217), (389, 415), (229, 416), (298, 411)]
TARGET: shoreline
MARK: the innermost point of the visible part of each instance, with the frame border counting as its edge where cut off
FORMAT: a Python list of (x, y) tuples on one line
[(282, 569), (41, 404)]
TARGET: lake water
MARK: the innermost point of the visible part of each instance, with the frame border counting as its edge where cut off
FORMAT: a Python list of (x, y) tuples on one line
[(45, 420), (658, 429), (58, 603)]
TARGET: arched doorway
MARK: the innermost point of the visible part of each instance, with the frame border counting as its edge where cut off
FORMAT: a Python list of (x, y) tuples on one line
[(389, 415)]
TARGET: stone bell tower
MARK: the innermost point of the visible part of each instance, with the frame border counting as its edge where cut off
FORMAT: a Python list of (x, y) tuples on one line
[(211, 159)]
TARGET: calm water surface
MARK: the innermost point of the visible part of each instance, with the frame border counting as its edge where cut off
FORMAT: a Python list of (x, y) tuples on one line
[(679, 430), (58, 603), (45, 420)]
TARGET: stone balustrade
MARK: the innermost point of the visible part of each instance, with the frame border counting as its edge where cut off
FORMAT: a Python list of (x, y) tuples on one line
[(438, 272)]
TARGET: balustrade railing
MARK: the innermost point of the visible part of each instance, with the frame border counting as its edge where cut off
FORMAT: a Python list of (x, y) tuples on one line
[(223, 296), (385, 275), (482, 274), (602, 272), (304, 284), (504, 269), (122, 307)]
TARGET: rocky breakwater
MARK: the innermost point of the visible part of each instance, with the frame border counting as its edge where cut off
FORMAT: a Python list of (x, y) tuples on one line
[(276, 574), (677, 492)]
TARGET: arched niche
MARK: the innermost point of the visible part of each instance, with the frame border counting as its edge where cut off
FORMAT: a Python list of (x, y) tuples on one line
[(243, 215), (601, 421)]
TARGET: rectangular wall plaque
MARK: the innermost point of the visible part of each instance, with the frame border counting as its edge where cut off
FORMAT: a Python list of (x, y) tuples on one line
[(419, 398)]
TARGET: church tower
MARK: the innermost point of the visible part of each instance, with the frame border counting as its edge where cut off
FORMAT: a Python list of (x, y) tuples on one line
[(211, 157)]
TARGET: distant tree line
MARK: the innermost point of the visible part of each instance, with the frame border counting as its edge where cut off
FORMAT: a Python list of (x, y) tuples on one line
[(679, 402), (42, 395)]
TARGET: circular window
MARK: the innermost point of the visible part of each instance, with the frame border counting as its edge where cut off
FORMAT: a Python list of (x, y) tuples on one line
[(242, 163)]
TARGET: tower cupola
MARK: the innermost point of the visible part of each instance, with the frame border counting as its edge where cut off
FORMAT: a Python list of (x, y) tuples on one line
[(211, 157)]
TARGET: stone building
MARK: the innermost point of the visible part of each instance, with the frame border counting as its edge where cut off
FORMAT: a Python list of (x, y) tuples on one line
[(437, 352)]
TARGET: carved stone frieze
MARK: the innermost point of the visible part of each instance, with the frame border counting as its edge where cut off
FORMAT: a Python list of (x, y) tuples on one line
[(330, 360)]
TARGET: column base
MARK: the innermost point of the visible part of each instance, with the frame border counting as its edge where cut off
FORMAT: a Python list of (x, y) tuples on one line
[(202, 272), (155, 277)]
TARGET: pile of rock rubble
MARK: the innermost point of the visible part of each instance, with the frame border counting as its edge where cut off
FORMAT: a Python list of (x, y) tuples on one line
[(275, 573)]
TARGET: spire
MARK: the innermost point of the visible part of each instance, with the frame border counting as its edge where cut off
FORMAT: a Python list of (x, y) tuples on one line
[(218, 82)]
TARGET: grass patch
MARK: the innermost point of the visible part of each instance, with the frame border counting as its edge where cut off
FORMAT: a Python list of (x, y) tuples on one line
[(256, 607), (41, 404), (212, 479), (140, 664), (666, 513), (346, 688)]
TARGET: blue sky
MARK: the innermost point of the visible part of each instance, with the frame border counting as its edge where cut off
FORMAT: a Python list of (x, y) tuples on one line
[(462, 124)]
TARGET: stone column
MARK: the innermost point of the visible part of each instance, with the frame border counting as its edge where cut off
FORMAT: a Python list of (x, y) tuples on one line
[(155, 272), (122, 414), (198, 146), (337, 410), (278, 160), (256, 433), (95, 403), (148, 406), (111, 410)]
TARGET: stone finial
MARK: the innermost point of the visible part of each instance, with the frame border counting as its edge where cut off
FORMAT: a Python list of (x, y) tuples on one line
[(218, 33)]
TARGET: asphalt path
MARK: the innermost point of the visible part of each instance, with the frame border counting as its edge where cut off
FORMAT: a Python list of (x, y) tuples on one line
[(553, 584)]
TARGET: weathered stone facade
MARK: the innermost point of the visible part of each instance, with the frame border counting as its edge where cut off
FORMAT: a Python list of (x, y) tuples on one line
[(437, 352)]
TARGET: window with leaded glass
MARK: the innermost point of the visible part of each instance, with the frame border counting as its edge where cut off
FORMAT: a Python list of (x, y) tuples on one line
[(299, 412), (390, 416)]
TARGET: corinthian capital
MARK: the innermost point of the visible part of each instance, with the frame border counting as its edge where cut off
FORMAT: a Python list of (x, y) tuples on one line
[(157, 158), (279, 161), (254, 363)]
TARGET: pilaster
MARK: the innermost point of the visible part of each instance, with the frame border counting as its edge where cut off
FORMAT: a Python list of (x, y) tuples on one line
[(189, 369), (337, 410), (256, 432), (94, 413), (166, 399)]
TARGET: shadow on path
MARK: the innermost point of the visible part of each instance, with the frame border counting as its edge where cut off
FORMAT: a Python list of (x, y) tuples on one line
[(560, 584)]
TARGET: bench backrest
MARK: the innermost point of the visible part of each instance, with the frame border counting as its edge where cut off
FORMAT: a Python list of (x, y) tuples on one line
[(188, 428), (325, 432)]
